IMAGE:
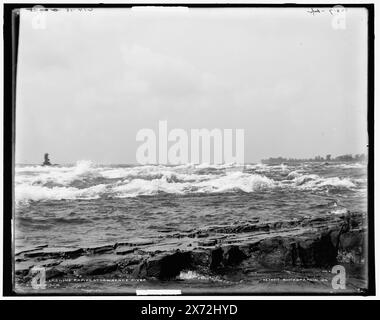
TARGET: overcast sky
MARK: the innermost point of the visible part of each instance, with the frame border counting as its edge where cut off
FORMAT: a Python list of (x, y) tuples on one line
[(89, 81)]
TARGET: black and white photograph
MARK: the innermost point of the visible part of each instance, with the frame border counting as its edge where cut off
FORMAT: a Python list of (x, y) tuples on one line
[(192, 150)]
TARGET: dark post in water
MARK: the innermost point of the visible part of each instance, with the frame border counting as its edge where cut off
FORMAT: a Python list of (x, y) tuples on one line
[(47, 160)]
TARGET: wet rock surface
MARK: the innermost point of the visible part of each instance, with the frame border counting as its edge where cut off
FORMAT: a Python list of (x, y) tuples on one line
[(234, 251)]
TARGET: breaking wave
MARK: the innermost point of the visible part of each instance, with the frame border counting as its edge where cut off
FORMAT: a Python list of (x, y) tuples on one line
[(86, 180), (36, 193), (314, 181), (355, 165)]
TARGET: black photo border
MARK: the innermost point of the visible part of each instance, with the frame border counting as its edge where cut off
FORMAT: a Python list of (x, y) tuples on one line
[(10, 37)]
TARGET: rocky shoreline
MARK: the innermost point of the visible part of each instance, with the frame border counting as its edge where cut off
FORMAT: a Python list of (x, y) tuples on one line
[(239, 252)]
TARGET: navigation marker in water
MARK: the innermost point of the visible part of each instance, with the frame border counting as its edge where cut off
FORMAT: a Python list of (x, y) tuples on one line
[(46, 160)]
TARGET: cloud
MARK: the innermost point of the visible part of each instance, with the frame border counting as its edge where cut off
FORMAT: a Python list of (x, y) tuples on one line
[(159, 74), (166, 82)]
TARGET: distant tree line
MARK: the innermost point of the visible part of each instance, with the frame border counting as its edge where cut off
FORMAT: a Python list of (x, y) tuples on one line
[(345, 157)]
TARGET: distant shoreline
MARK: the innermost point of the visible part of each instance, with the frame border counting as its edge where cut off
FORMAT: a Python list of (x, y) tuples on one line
[(343, 158), (297, 161)]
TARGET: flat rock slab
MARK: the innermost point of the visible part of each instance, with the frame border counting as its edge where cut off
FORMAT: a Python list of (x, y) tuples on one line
[(271, 245)]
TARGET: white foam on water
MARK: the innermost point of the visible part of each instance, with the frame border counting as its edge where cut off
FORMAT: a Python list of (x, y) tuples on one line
[(35, 193), (213, 184), (294, 174), (57, 183), (218, 166), (57, 175), (355, 165), (192, 275), (339, 211), (237, 181), (314, 182), (137, 187)]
